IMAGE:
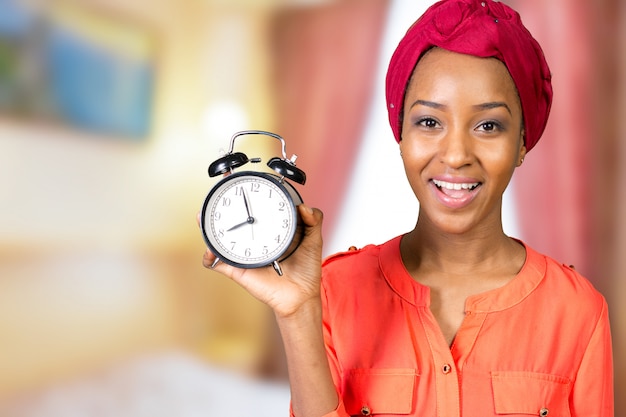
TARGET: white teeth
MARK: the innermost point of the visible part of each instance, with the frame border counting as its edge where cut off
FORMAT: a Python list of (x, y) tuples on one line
[(455, 185)]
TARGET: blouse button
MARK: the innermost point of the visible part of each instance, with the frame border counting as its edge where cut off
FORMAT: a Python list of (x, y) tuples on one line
[(446, 368), (543, 412), (365, 410)]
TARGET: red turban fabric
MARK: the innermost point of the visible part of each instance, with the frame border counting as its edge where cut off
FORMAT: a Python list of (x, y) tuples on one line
[(484, 29)]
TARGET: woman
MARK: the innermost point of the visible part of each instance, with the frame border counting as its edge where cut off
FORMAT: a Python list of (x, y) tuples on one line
[(454, 317)]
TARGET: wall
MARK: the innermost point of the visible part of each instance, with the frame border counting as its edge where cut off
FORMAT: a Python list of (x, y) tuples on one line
[(99, 249)]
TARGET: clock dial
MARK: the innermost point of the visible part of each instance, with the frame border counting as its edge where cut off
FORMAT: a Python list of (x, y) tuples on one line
[(249, 219)]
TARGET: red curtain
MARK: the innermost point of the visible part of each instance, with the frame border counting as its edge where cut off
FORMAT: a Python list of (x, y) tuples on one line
[(553, 186), (570, 189), (326, 58)]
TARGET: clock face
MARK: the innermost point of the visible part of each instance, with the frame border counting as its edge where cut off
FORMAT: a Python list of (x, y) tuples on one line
[(249, 219)]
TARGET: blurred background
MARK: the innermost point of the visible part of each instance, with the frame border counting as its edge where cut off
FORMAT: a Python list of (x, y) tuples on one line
[(111, 112)]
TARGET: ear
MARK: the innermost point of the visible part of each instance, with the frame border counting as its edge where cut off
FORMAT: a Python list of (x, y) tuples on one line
[(522, 150)]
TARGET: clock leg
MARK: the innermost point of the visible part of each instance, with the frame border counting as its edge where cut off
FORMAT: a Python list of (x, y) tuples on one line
[(277, 268)]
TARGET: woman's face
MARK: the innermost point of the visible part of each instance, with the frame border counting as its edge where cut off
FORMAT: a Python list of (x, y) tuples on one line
[(461, 139)]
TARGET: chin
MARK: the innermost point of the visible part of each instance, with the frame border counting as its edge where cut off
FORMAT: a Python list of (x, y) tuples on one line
[(454, 224)]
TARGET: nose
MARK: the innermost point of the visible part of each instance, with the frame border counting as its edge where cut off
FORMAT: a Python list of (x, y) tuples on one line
[(456, 149)]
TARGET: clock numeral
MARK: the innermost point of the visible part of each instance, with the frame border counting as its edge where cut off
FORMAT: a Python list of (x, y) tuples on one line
[(281, 206), (265, 250), (285, 223), (254, 187), (247, 252), (220, 233), (226, 202), (232, 245), (217, 216), (270, 194), (277, 239), (238, 190)]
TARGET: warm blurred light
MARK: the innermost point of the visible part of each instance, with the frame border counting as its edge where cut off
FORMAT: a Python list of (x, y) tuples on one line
[(223, 118), (99, 250)]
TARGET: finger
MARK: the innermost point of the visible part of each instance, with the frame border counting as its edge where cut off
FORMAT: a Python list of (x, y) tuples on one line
[(310, 216), (208, 259), (312, 241)]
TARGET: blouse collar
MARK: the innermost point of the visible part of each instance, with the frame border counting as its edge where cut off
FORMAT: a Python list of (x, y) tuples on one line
[(524, 283)]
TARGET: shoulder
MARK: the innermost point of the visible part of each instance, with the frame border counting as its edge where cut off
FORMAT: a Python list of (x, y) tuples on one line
[(354, 284), (568, 285), (569, 278), (350, 256), (355, 265), (362, 258), (346, 265)]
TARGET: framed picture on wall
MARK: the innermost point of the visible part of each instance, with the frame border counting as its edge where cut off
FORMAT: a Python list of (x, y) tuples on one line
[(73, 65)]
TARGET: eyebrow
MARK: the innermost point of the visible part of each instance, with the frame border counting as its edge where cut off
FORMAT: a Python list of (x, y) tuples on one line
[(492, 105), (431, 104), (482, 106)]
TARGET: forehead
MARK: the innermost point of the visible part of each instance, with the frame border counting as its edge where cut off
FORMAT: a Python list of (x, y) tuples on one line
[(440, 73)]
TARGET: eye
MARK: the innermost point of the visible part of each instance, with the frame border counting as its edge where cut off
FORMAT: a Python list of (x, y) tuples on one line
[(428, 123), (490, 126)]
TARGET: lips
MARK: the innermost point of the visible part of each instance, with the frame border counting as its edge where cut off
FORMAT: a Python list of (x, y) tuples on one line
[(455, 194)]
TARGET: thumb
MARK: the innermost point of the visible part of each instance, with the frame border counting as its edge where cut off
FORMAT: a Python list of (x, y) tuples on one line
[(311, 217)]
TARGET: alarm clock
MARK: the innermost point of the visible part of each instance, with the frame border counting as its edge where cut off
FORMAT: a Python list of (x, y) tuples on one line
[(249, 219)]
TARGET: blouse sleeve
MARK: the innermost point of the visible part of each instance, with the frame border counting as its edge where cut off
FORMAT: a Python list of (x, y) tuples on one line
[(340, 411), (332, 357), (592, 392)]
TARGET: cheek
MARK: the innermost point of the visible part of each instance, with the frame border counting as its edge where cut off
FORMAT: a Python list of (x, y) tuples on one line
[(501, 166), (418, 149), (415, 158)]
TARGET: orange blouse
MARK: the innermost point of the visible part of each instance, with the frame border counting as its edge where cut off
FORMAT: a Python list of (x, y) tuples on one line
[(538, 346)]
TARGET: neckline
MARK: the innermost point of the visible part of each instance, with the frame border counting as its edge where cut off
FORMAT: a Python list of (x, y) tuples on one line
[(506, 296)]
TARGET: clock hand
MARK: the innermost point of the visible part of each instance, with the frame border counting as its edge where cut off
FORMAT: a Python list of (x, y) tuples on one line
[(245, 201), (249, 220)]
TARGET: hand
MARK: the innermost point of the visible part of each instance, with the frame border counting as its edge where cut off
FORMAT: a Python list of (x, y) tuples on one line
[(302, 271)]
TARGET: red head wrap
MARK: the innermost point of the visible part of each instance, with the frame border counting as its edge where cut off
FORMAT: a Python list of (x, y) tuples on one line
[(484, 29)]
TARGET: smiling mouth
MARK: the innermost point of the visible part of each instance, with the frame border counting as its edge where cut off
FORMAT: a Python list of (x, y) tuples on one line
[(454, 186)]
